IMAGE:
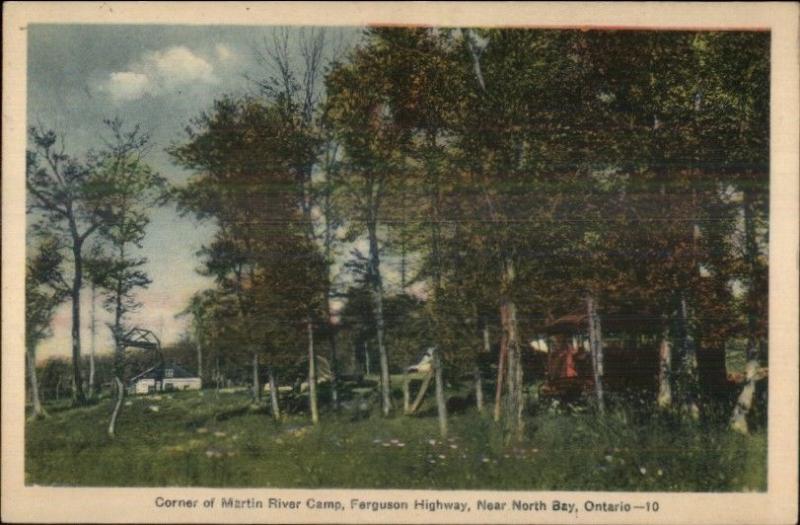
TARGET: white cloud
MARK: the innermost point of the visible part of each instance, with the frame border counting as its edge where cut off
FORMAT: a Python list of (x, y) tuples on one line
[(178, 65), (159, 72), (127, 85), (224, 53)]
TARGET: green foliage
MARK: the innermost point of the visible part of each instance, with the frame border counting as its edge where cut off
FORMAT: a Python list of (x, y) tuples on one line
[(249, 159), (45, 290)]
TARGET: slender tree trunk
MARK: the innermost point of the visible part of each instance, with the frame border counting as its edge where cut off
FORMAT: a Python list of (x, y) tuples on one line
[(487, 348), (256, 380), (217, 373), (514, 401), (38, 409), (664, 399), (403, 249), (274, 395), (334, 357), (94, 343), (312, 374), (478, 390), (200, 360), (689, 379), (384, 358), (119, 352), (744, 402), (423, 389), (78, 396), (596, 345), (501, 372), (366, 358), (377, 297), (334, 372), (112, 425), (441, 403), (406, 393)]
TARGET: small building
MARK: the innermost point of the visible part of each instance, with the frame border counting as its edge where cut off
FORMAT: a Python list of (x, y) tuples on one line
[(164, 378)]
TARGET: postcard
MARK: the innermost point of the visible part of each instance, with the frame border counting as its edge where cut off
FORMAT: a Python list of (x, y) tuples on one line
[(400, 262)]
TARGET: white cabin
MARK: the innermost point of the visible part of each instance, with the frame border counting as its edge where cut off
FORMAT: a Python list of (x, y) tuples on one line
[(164, 379)]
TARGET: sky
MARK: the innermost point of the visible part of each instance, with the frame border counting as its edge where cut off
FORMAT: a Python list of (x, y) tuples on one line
[(160, 77)]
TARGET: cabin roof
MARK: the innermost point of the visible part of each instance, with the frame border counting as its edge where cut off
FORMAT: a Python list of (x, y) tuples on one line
[(576, 322)]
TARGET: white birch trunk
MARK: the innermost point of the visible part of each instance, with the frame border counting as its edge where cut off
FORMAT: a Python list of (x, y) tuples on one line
[(478, 390), (441, 402), (312, 375), (112, 425), (596, 346), (406, 393), (256, 380), (745, 400), (38, 410), (94, 342), (274, 396), (664, 399)]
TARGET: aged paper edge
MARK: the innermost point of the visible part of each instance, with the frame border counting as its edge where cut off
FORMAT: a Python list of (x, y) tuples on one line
[(115, 505)]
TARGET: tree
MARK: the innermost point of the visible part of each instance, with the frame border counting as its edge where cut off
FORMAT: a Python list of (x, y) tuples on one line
[(200, 308), (135, 189), (737, 95), (300, 91), (515, 142), (360, 117), (248, 156), (45, 290), (425, 81), (69, 200)]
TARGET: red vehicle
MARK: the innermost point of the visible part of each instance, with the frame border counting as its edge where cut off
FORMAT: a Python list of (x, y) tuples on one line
[(630, 357)]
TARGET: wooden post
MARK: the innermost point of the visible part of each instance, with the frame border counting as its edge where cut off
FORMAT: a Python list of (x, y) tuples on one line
[(421, 394)]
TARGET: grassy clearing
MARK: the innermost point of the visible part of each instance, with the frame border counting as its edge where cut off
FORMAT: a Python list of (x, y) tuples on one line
[(205, 439)]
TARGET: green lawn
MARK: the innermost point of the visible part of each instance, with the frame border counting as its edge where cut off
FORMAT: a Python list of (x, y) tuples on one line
[(208, 439)]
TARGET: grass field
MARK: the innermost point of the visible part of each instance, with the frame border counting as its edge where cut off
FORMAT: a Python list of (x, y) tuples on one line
[(219, 440)]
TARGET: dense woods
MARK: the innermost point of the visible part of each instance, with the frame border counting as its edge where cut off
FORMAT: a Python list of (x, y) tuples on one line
[(458, 190)]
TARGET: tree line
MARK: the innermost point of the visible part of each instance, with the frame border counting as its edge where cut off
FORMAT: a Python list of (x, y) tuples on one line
[(508, 176)]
